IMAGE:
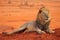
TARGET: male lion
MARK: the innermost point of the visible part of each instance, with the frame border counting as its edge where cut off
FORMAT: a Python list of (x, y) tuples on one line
[(40, 25)]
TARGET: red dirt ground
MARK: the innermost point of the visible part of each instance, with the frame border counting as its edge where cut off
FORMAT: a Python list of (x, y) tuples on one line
[(32, 36)]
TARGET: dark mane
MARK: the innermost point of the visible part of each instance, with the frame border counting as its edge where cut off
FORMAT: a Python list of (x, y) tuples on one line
[(38, 22)]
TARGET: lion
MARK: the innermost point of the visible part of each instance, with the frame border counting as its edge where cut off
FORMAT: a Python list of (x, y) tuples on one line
[(40, 25)]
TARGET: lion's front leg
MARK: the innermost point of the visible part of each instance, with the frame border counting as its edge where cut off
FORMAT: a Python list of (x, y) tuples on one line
[(40, 31), (48, 28), (50, 31)]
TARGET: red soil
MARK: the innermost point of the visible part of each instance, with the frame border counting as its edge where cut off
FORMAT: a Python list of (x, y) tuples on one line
[(32, 36)]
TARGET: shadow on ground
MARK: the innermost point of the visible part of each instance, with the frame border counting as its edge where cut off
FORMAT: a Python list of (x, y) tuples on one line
[(32, 36)]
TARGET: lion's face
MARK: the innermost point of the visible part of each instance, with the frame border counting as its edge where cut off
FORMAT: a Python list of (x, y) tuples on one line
[(43, 15)]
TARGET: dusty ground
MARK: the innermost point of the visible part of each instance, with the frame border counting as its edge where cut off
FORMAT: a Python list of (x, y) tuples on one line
[(32, 36)]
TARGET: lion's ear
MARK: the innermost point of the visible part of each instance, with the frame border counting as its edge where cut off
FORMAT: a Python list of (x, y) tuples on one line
[(40, 11)]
